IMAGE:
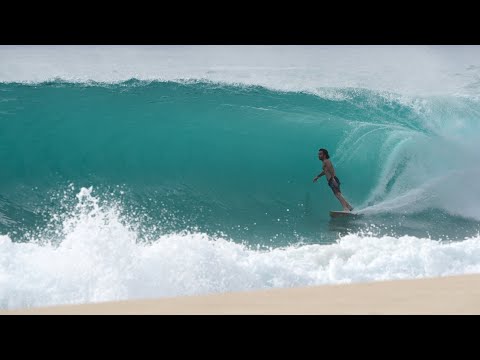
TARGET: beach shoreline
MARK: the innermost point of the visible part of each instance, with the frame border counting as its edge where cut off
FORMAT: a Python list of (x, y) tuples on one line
[(442, 295)]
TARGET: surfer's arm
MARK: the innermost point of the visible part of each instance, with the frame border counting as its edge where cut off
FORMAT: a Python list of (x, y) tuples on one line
[(319, 176)]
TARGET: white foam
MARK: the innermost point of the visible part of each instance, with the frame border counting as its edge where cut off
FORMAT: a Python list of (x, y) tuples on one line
[(99, 257), (423, 172), (412, 70)]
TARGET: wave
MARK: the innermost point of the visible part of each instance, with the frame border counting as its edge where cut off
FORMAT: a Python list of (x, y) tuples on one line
[(160, 171), (223, 157), (96, 255)]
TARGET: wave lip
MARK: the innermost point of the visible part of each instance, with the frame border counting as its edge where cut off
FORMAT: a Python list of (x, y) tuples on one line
[(414, 70)]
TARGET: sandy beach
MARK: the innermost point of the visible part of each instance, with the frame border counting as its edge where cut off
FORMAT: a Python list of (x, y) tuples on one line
[(446, 295)]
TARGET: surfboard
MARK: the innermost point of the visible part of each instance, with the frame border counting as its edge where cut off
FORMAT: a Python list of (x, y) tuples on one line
[(341, 213)]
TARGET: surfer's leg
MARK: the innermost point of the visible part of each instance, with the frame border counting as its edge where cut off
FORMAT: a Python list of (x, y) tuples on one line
[(336, 190), (342, 200), (345, 204), (350, 207)]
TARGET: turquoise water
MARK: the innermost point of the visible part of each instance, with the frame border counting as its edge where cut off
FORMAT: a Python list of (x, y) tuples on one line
[(238, 160)]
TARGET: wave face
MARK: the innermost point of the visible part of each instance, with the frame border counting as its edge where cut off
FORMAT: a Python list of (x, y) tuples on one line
[(188, 179)]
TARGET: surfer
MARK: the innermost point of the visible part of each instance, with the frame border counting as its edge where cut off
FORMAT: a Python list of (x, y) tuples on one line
[(333, 181)]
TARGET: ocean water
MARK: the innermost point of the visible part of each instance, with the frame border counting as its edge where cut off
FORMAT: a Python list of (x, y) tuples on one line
[(135, 171)]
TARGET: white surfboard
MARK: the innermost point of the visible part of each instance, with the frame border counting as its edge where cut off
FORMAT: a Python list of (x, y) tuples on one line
[(341, 213)]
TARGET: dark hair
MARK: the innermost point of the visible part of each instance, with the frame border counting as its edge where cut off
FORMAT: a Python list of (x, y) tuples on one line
[(325, 152)]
